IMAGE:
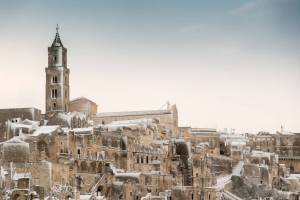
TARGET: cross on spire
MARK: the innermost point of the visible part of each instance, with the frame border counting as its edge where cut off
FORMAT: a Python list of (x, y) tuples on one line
[(57, 41)]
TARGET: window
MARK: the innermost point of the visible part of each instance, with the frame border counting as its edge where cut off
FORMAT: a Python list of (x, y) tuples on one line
[(54, 58), (54, 79), (78, 153), (54, 106), (54, 93)]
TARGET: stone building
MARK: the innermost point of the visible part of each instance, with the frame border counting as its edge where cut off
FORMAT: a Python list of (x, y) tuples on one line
[(57, 78), (209, 136), (84, 105), (263, 141), (14, 115), (167, 118), (285, 144), (261, 168)]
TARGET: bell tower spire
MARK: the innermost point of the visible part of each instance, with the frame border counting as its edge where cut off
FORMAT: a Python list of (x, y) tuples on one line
[(57, 77)]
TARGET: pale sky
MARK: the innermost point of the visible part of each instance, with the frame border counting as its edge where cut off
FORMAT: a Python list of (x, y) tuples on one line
[(226, 64)]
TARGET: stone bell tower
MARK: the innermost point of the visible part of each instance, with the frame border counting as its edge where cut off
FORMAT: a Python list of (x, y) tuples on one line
[(57, 78)]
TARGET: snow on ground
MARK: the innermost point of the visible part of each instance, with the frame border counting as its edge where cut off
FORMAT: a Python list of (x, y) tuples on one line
[(222, 181)]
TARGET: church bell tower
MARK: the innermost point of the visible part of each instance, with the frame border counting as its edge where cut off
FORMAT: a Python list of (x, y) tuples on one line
[(57, 78)]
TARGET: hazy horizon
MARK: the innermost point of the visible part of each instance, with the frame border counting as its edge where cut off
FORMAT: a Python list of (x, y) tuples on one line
[(225, 65)]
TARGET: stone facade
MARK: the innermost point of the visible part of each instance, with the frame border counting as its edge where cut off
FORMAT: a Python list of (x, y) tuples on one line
[(57, 78)]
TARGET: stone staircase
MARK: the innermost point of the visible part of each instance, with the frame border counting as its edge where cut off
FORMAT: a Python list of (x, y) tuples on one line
[(97, 184)]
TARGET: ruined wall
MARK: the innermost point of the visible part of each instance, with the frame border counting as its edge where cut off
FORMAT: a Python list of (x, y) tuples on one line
[(179, 193), (41, 174), (292, 164)]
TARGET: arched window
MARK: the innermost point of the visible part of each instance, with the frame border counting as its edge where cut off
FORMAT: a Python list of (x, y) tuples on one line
[(54, 93), (54, 79)]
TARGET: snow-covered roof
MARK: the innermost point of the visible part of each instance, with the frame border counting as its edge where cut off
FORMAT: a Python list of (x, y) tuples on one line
[(143, 121), (135, 124), (121, 174), (160, 142), (31, 122), (133, 113), (202, 145), (18, 176), (204, 131), (45, 130), (15, 140), (128, 175), (294, 176), (19, 125), (262, 154), (285, 133), (86, 196), (83, 130), (237, 143), (118, 183)]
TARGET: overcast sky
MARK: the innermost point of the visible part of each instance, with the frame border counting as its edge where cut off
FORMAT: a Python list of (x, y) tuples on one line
[(233, 63)]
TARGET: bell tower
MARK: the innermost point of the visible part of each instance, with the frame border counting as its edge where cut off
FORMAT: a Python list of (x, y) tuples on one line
[(57, 78)]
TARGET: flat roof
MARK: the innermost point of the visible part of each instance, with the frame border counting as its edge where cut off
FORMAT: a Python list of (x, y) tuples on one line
[(133, 113)]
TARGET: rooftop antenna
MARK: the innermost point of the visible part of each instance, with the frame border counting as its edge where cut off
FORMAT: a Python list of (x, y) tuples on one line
[(57, 28)]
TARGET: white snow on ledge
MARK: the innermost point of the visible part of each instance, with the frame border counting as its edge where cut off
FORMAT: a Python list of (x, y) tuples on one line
[(46, 130)]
